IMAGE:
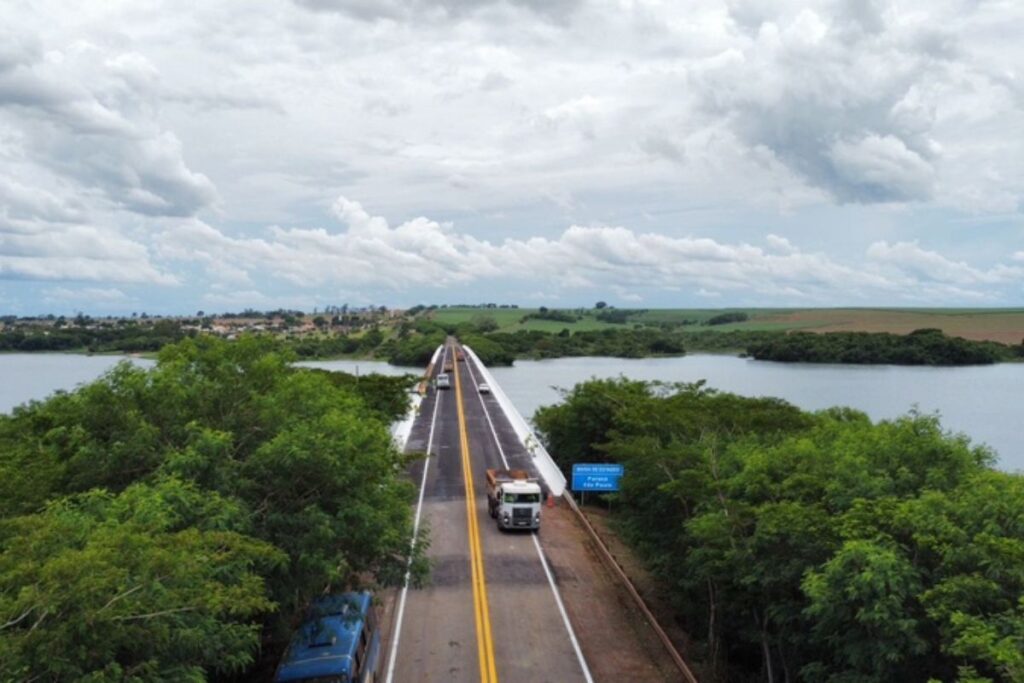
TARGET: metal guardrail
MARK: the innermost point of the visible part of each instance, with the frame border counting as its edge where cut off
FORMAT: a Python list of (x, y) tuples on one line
[(609, 560)]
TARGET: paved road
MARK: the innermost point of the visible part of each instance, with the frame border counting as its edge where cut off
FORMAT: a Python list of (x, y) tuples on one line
[(491, 611)]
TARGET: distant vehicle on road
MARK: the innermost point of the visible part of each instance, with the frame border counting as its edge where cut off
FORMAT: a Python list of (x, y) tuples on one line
[(460, 355), (338, 643), (448, 367), (484, 388), (443, 381), (513, 498)]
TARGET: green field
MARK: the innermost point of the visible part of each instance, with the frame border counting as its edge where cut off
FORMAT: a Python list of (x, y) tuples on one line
[(505, 317), (510, 319), (1002, 324), (696, 315)]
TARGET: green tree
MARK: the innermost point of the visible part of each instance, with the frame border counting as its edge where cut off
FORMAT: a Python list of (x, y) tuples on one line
[(222, 448), (490, 352), (815, 547), (484, 323), (154, 584), (578, 428), (864, 609)]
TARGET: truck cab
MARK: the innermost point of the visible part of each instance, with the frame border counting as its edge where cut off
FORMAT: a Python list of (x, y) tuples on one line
[(338, 643), (513, 499)]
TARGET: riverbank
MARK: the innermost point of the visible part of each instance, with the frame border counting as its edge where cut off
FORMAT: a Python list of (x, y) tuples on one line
[(503, 336), (980, 401), (921, 347), (732, 503)]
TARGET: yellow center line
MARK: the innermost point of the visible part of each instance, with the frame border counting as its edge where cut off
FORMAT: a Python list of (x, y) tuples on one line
[(484, 640)]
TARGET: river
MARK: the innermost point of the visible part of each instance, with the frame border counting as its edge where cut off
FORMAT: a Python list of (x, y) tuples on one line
[(980, 401), (31, 376)]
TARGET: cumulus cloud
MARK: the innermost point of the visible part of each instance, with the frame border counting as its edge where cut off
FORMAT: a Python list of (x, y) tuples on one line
[(74, 252), (881, 168), (237, 299), (931, 266), (370, 252), (406, 10), (780, 244), (846, 94), (93, 296), (87, 117), (546, 129), (82, 159)]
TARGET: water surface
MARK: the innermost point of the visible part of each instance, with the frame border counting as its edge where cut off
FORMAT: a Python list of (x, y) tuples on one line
[(983, 401), (361, 367), (34, 376)]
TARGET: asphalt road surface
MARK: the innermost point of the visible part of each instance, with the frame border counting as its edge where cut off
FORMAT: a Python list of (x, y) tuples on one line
[(492, 610)]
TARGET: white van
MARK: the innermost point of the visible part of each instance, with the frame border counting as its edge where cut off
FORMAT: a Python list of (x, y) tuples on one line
[(443, 382)]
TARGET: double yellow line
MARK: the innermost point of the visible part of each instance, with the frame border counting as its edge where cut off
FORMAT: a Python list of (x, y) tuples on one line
[(484, 640)]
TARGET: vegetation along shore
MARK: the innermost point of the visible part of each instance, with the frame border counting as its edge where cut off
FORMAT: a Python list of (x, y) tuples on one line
[(502, 334)]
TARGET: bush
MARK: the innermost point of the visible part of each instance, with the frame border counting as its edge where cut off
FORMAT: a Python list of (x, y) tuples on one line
[(921, 347), (415, 351), (815, 547), (726, 318), (155, 523)]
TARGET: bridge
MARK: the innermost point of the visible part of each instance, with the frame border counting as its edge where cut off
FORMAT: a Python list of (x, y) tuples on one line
[(508, 605)]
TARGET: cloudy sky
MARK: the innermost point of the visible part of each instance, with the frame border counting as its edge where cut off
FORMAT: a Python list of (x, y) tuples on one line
[(710, 153)]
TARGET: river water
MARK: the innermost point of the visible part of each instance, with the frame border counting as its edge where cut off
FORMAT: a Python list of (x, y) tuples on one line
[(983, 402), (32, 376)]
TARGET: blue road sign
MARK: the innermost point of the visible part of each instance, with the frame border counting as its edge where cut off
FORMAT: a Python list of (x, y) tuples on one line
[(596, 477)]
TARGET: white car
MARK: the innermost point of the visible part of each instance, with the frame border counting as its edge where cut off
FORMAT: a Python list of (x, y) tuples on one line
[(484, 388)]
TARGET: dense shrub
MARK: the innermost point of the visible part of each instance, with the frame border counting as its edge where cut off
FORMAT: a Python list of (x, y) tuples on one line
[(921, 347), (169, 524), (415, 350), (812, 547), (727, 318)]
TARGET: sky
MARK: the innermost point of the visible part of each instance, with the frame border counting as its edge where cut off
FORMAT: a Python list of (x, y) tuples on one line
[(709, 153)]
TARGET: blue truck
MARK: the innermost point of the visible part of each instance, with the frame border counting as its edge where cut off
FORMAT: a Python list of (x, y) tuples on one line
[(338, 643)]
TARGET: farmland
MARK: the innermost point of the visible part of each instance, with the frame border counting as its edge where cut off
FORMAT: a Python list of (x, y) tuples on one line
[(511, 319), (1001, 325)]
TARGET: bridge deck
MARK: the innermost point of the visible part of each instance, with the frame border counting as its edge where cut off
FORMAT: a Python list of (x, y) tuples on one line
[(532, 629)]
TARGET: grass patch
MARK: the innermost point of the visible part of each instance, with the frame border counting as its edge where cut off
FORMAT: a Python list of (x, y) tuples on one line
[(1005, 325), (505, 317)]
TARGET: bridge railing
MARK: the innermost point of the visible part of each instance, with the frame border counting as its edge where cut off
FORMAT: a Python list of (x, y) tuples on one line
[(542, 460), (401, 429)]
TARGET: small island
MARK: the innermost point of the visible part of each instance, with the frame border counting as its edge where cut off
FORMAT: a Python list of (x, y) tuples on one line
[(921, 347)]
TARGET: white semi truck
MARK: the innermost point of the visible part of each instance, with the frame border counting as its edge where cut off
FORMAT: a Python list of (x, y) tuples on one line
[(513, 499)]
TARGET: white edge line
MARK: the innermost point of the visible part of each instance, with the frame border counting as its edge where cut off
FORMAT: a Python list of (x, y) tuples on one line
[(541, 459), (494, 433), (412, 544), (540, 551), (561, 609)]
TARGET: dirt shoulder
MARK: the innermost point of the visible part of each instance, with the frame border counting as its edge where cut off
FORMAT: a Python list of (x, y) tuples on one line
[(615, 638)]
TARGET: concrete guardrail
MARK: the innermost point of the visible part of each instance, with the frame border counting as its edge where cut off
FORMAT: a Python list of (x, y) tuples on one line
[(543, 461)]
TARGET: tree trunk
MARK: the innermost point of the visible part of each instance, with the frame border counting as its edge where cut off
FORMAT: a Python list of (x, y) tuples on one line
[(767, 650), (785, 664), (712, 638)]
